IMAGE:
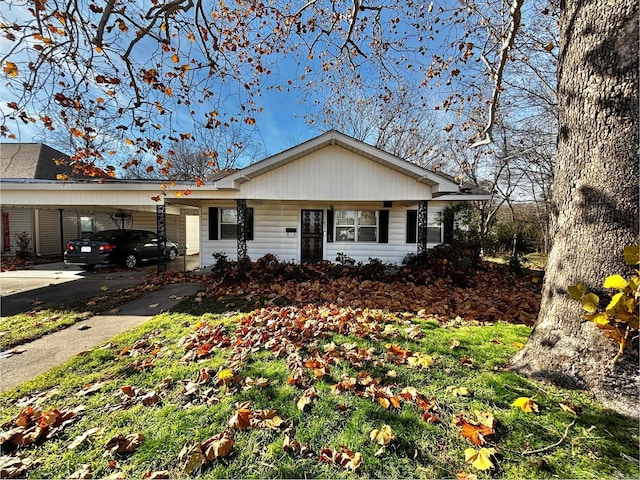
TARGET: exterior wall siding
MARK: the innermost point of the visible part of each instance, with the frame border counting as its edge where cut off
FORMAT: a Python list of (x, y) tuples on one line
[(48, 241), (20, 220), (346, 176), (271, 219)]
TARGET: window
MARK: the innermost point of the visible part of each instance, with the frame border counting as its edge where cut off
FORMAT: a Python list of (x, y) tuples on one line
[(356, 225), (223, 223), (228, 223), (434, 227), (86, 226)]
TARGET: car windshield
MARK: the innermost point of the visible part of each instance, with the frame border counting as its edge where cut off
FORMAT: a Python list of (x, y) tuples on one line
[(108, 235)]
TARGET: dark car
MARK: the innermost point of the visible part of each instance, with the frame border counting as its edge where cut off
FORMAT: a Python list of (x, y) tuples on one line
[(117, 247)]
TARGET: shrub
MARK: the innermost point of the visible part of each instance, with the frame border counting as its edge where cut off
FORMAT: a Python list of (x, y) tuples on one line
[(619, 320), (23, 239)]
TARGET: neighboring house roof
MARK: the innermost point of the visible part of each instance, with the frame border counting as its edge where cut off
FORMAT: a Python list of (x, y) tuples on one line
[(31, 160)]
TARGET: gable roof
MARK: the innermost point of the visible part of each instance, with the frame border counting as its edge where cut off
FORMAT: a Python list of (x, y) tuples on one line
[(439, 183), (31, 160)]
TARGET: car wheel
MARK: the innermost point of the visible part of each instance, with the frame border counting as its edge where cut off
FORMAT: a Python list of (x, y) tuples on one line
[(173, 254), (88, 267), (130, 260)]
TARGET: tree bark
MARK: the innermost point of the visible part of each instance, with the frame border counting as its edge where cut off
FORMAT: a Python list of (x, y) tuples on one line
[(595, 201)]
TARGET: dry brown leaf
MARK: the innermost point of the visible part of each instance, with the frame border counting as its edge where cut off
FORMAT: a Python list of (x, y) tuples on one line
[(191, 457), (85, 471), (123, 443), (218, 446)]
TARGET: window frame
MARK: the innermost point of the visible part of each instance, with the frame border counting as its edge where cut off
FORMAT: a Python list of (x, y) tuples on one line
[(216, 224), (412, 235), (356, 226), (222, 234)]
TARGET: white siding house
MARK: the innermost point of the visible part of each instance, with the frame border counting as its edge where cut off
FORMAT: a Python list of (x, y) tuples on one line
[(329, 197)]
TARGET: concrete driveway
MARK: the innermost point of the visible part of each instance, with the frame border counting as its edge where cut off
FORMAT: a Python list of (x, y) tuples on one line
[(56, 283)]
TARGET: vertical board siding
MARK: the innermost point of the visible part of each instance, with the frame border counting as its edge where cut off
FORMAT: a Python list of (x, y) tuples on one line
[(345, 176), (20, 220), (49, 230)]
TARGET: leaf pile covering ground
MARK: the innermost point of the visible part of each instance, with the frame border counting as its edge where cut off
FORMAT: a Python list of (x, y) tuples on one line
[(492, 294), (314, 390)]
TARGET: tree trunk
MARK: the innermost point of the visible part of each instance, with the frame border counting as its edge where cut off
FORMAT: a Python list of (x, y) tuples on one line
[(595, 201)]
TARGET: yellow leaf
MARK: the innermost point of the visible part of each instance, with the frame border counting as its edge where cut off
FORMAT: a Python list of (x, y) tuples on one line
[(576, 291), (615, 281), (382, 436), (631, 254), (598, 318), (175, 58), (458, 391), (10, 69), (480, 459), (590, 302), (303, 402), (526, 404), (420, 360)]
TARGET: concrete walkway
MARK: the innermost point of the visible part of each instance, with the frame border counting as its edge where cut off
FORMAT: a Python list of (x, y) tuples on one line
[(56, 348)]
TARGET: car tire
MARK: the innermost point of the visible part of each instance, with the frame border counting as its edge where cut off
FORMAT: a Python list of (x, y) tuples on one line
[(131, 260), (173, 254), (88, 267)]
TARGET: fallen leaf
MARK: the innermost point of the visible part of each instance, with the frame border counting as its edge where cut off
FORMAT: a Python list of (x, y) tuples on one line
[(526, 404), (570, 407), (191, 457), (382, 436), (218, 446), (123, 443), (458, 391), (420, 360), (241, 420), (80, 439), (156, 475), (83, 472), (480, 459)]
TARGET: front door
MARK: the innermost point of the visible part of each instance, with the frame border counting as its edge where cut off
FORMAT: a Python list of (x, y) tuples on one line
[(311, 235)]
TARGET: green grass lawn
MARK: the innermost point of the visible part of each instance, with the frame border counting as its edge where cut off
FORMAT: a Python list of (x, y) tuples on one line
[(180, 379)]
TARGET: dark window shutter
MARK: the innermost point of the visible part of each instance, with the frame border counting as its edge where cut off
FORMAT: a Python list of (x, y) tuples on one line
[(412, 226), (249, 220), (383, 226), (213, 223), (330, 225)]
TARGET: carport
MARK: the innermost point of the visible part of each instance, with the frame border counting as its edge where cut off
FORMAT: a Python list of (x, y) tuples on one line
[(52, 212)]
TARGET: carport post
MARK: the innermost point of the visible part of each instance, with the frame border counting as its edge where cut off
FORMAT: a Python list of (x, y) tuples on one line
[(423, 220), (161, 222)]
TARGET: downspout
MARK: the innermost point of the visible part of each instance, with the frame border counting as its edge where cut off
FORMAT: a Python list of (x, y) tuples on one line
[(36, 232)]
